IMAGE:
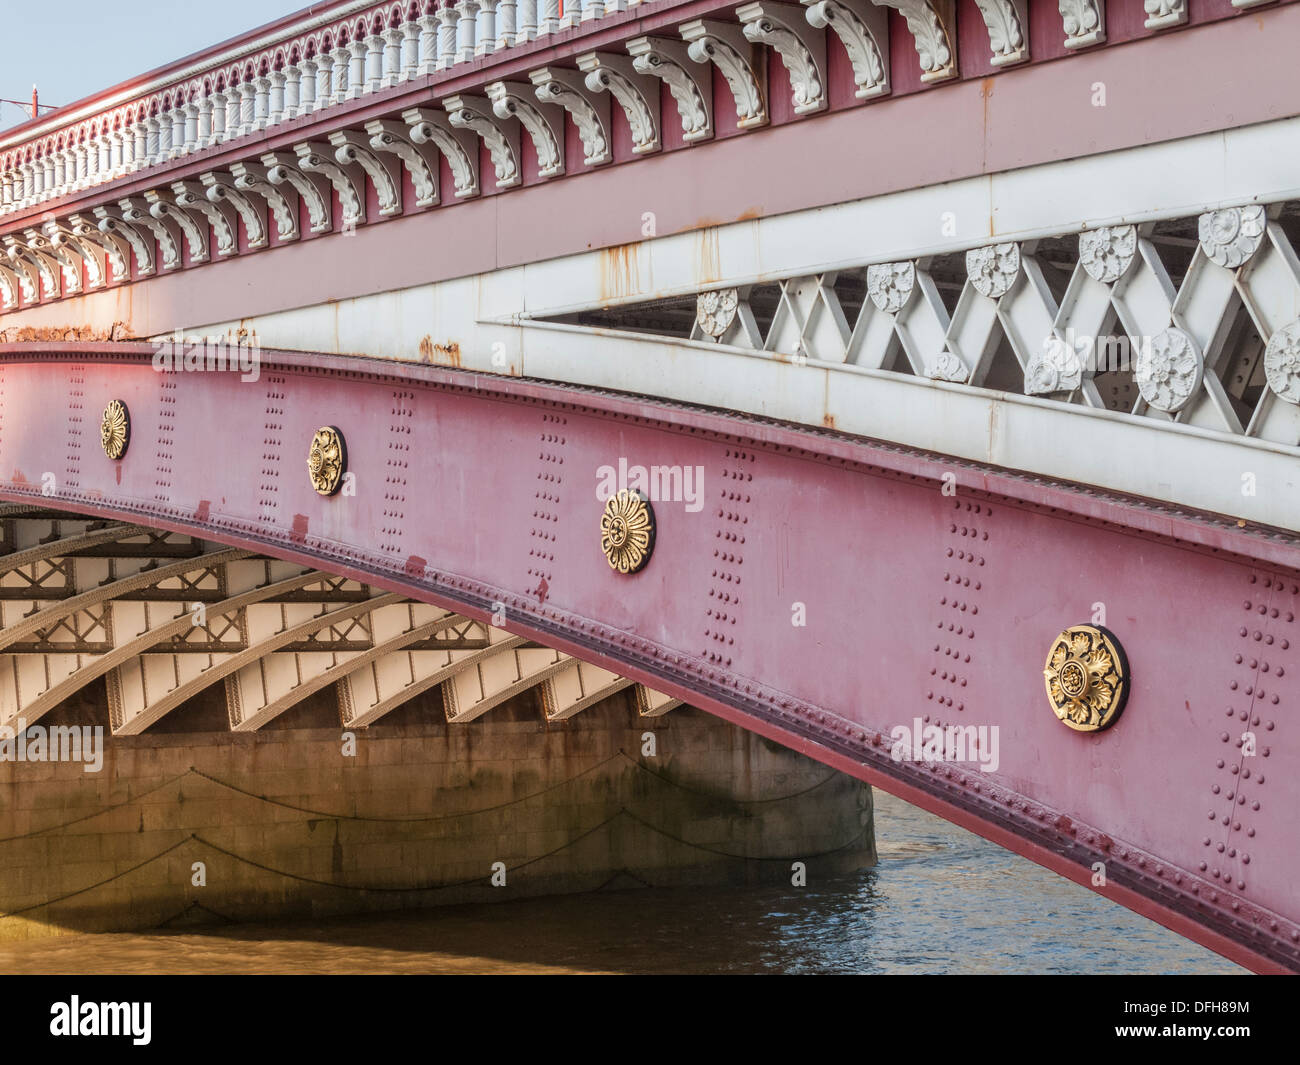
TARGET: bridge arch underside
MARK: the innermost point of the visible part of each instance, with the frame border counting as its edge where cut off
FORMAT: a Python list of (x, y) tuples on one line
[(819, 589)]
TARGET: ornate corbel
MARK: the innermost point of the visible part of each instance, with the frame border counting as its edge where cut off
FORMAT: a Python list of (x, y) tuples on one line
[(1008, 24), (115, 248), (1161, 14), (112, 222), (165, 231), (420, 160), (385, 172), (544, 123), (933, 26), (193, 197), (163, 208), (724, 45), (691, 86), (589, 110), (349, 182), (9, 288), (220, 187), (801, 46), (67, 253), (1084, 21), (863, 29), (282, 169), (37, 278), (501, 136), (458, 146), (74, 251), (637, 94), (282, 200)]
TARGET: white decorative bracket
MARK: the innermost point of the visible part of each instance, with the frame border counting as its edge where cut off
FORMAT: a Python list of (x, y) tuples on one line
[(9, 288), (28, 274), (801, 46), (1084, 21), (58, 261), (254, 178), (163, 208), (1008, 24), (691, 86), (500, 135), (348, 181), (420, 160), (192, 196), (933, 26), (384, 171), (458, 146), (637, 94), (221, 188), (544, 123), (165, 231), (863, 29), (113, 224), (726, 46), (1161, 14), (314, 189), (90, 252), (589, 110), (116, 250)]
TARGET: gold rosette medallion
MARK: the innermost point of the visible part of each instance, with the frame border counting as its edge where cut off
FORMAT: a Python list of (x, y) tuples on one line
[(115, 429), (1087, 678), (327, 460), (627, 531)]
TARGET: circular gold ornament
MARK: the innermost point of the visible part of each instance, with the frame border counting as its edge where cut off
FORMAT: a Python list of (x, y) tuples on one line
[(1087, 678), (115, 429), (327, 459), (627, 531)]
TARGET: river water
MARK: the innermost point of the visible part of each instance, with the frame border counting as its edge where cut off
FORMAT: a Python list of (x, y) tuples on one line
[(941, 900)]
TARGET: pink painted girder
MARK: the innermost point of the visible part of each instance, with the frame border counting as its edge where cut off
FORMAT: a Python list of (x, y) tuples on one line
[(473, 490)]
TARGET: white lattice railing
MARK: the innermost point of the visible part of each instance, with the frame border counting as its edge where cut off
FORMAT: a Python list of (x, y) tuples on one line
[(1146, 319), (357, 49)]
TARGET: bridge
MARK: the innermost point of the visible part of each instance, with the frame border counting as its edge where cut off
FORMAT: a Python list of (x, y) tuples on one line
[(870, 375)]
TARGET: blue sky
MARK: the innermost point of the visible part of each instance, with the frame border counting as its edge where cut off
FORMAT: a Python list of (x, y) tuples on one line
[(77, 47)]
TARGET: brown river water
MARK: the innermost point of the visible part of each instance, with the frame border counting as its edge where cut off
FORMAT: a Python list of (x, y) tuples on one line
[(941, 900)]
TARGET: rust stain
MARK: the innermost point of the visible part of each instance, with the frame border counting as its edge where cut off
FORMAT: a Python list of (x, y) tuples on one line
[(620, 273), (708, 256), (55, 333), (118, 470), (205, 507), (415, 566), (19, 478), (828, 420), (299, 531), (447, 354), (541, 590), (750, 214)]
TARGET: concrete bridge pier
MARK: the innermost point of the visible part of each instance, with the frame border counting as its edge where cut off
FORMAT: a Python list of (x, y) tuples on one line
[(191, 823)]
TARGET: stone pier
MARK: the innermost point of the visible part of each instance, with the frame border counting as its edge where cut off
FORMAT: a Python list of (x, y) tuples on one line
[(191, 823)]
